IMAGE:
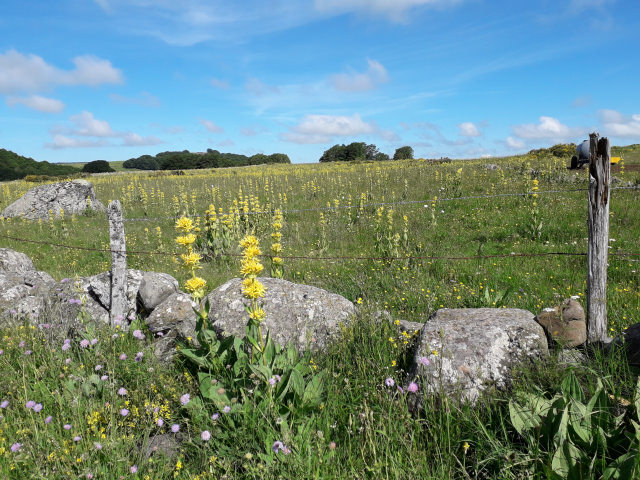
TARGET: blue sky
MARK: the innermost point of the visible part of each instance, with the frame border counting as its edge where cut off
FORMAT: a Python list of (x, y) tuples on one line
[(82, 80)]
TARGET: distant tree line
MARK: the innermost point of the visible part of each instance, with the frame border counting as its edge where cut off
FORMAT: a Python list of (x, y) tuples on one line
[(15, 167), (185, 160), (558, 150), (360, 151)]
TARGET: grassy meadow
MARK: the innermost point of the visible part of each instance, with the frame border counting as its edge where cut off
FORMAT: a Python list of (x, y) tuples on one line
[(406, 236)]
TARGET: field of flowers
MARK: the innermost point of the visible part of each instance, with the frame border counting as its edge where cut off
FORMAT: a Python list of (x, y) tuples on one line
[(408, 237)]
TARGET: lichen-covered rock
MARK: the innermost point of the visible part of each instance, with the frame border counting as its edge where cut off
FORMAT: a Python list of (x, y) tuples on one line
[(155, 288), (99, 288), (462, 352), (72, 197), (305, 316), (15, 262), (170, 321), (565, 324)]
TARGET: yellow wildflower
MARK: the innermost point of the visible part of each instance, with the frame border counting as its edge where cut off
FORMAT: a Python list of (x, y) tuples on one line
[(191, 260), (186, 240), (252, 288), (184, 224)]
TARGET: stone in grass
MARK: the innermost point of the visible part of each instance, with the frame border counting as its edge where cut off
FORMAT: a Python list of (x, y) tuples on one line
[(165, 444), (565, 324), (15, 262), (472, 350), (71, 197), (172, 320), (154, 289), (307, 317)]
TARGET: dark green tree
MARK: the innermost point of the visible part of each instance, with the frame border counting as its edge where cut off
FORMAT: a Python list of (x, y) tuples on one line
[(97, 166), (403, 153)]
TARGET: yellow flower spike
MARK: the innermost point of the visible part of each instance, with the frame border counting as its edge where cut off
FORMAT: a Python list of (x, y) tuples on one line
[(184, 224), (191, 260), (186, 240)]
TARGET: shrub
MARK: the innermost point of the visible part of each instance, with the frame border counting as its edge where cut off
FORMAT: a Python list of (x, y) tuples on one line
[(97, 166)]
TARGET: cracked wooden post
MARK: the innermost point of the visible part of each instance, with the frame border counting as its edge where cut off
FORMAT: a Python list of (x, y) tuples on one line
[(598, 248), (118, 262)]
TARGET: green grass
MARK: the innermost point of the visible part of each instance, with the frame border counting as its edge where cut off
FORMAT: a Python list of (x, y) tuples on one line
[(374, 434)]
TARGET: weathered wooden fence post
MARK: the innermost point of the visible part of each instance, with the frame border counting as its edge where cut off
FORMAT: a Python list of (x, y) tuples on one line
[(598, 248), (118, 262)]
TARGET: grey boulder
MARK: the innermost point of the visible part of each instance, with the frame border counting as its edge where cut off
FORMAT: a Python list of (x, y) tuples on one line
[(155, 288), (72, 197), (305, 316), (172, 320), (462, 352)]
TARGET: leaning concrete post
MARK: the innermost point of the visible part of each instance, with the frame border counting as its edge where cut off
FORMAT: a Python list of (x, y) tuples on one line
[(118, 262), (597, 251)]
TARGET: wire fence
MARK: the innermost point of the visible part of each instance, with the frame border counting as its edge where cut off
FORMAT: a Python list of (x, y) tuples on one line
[(326, 258), (403, 202)]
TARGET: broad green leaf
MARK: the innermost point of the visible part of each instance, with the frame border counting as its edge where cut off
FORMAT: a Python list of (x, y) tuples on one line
[(623, 468), (567, 460), (314, 390), (522, 417), (571, 388), (297, 383)]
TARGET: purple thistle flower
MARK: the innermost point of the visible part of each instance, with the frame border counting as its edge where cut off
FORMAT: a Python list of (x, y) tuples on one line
[(215, 416), (124, 412), (133, 469), (98, 368), (15, 447), (28, 352), (226, 409), (67, 426), (272, 381), (389, 382), (413, 387), (94, 341), (205, 436), (77, 438), (139, 356), (67, 361), (21, 344), (97, 446), (278, 446), (123, 356), (104, 378), (66, 346), (1, 352), (138, 334), (37, 407), (64, 280), (4, 404), (30, 404), (122, 391), (184, 399), (423, 361), (48, 419), (175, 428), (84, 343), (160, 422)]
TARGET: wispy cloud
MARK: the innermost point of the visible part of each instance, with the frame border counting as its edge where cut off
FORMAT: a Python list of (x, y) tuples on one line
[(374, 76), (324, 128), (31, 73), (617, 124), (222, 84), (548, 128), (396, 10), (211, 127), (468, 129), (88, 131), (36, 102)]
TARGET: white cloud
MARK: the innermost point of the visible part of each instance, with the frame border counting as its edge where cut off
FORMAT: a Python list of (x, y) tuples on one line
[(145, 99), (36, 102), (322, 128), (222, 84), (616, 124), (30, 73), (89, 126), (61, 141), (549, 128), (514, 143), (375, 75), (211, 127), (396, 10), (468, 129), (133, 139)]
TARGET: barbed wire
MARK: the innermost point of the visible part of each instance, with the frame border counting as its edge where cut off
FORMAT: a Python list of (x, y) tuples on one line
[(324, 258), (403, 202)]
